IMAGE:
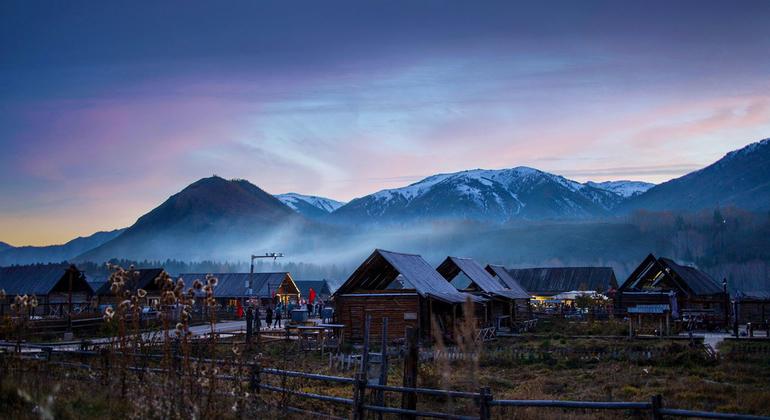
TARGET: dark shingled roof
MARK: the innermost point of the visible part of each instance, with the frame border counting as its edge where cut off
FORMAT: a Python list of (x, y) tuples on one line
[(700, 282), (502, 275), (554, 280), (321, 287), (235, 284), (453, 266), (652, 271), (39, 279), (383, 267)]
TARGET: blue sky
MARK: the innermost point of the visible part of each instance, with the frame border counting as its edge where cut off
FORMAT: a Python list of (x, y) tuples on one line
[(109, 108)]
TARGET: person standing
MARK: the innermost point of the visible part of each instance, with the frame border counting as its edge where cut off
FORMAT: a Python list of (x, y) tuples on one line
[(278, 318), (269, 316)]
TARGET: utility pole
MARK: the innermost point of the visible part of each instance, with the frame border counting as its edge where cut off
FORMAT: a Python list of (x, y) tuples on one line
[(273, 255)]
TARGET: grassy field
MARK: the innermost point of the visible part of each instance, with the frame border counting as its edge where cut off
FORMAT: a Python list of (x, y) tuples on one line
[(683, 375), (583, 361)]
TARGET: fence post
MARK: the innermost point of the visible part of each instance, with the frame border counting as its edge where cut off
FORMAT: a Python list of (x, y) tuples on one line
[(657, 404), (359, 392), (365, 351), (485, 396), (409, 399), (249, 326), (254, 378), (383, 364)]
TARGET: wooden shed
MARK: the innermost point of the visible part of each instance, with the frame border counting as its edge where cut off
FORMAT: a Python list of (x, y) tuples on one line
[(405, 289), (60, 288), (466, 275), (752, 306), (690, 293)]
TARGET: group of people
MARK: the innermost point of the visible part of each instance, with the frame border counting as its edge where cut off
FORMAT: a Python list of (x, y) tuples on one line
[(274, 315)]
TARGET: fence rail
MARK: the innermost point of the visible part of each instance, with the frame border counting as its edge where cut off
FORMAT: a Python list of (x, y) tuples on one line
[(359, 403)]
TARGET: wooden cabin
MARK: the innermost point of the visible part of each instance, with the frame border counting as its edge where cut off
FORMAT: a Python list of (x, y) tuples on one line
[(60, 289), (752, 306), (522, 309), (237, 287), (689, 293), (542, 283), (405, 289), (466, 275)]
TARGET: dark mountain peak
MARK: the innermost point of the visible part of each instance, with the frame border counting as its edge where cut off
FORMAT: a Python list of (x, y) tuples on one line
[(213, 199), (4, 246), (208, 216), (741, 179), (756, 147)]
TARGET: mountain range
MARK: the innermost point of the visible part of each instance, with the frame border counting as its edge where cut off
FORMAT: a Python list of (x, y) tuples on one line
[(490, 195), (217, 218), (54, 253)]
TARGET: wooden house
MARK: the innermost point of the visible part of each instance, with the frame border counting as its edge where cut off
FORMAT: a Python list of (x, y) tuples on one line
[(405, 289), (752, 306), (522, 310), (689, 293), (466, 275), (751, 298), (543, 283), (232, 288), (60, 289)]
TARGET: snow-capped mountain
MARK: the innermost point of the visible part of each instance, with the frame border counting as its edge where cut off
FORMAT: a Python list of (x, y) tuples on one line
[(309, 205), (482, 194), (624, 189)]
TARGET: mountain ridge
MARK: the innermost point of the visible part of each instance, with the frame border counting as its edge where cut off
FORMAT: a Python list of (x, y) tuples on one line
[(214, 216), (498, 195), (741, 179)]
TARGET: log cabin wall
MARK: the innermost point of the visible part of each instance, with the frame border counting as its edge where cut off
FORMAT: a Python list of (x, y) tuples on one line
[(755, 311), (402, 310)]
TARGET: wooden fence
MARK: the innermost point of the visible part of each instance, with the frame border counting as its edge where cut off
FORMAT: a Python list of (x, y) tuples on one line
[(366, 397)]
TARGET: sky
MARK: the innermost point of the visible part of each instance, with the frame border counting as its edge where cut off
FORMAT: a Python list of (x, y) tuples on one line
[(108, 108)]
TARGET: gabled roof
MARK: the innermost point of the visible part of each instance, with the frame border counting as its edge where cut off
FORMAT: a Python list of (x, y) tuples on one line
[(689, 280), (236, 284), (453, 266), (319, 286), (40, 279), (553, 280), (383, 267), (700, 282), (501, 274)]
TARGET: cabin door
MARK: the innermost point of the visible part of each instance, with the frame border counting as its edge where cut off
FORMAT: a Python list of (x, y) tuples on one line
[(356, 316)]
